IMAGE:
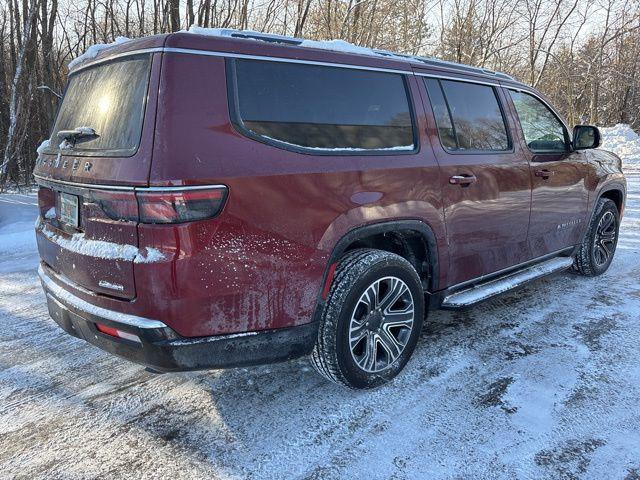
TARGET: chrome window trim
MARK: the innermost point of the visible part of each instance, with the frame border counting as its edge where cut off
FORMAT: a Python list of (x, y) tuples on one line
[(40, 180), (95, 186), (207, 53), (244, 56), (179, 188), (459, 79)]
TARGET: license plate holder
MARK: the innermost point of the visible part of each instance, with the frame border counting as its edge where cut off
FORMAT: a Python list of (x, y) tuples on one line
[(69, 209)]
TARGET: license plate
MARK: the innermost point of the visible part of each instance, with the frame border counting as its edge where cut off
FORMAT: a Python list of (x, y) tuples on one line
[(69, 209)]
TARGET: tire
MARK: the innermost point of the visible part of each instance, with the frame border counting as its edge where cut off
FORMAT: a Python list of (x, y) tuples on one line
[(596, 251), (384, 347)]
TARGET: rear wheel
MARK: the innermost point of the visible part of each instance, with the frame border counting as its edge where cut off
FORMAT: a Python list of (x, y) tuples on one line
[(371, 320), (599, 245)]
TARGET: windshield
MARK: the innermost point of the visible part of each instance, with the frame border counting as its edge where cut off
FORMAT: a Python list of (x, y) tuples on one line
[(110, 99)]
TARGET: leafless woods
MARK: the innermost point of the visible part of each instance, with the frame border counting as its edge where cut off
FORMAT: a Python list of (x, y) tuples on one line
[(584, 54)]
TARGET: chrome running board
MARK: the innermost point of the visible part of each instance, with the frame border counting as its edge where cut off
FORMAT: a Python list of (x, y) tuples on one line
[(482, 291)]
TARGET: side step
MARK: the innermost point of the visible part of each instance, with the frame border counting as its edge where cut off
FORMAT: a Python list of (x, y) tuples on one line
[(482, 291)]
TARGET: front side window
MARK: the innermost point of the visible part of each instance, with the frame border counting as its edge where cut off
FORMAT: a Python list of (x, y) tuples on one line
[(110, 98), (468, 116), (542, 130), (322, 108)]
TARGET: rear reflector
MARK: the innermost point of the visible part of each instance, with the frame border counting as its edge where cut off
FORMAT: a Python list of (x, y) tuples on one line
[(170, 206), (114, 332)]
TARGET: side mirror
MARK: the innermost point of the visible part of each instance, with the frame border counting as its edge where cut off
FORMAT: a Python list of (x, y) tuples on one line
[(586, 136)]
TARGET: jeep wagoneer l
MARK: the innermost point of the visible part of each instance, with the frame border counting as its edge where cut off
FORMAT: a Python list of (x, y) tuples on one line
[(219, 201)]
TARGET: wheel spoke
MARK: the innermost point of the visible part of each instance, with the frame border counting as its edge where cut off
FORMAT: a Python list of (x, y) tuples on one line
[(356, 334), (370, 358), (390, 344), (399, 318), (608, 236), (398, 288), (370, 297), (606, 222)]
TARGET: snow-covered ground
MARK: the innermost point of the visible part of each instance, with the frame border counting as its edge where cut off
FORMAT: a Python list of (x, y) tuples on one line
[(540, 383)]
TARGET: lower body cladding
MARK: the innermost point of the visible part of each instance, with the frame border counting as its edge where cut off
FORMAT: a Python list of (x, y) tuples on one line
[(153, 344)]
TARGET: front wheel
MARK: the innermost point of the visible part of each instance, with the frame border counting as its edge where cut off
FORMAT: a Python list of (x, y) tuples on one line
[(599, 245), (371, 321)]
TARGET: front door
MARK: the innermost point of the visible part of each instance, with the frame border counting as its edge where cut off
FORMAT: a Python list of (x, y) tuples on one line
[(560, 197), (486, 187)]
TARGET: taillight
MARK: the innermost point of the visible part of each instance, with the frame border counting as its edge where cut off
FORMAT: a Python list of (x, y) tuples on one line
[(117, 205), (162, 205), (46, 201), (178, 206)]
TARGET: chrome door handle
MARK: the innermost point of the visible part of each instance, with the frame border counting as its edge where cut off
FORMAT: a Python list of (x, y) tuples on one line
[(545, 174), (463, 180)]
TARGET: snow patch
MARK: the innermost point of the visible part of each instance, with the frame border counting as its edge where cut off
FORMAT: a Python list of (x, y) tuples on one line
[(50, 214), (103, 249), (335, 45), (623, 141), (94, 50), (43, 146)]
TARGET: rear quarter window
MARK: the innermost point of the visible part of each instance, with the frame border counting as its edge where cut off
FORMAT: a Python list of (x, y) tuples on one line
[(110, 98), (318, 108)]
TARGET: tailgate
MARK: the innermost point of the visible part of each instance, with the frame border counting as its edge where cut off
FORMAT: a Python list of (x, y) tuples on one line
[(98, 253), (100, 150)]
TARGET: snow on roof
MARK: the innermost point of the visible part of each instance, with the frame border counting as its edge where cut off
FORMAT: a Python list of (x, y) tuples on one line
[(333, 45), (93, 51), (336, 46)]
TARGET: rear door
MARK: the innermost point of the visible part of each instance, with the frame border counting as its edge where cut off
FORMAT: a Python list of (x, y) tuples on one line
[(87, 232), (560, 195), (485, 178)]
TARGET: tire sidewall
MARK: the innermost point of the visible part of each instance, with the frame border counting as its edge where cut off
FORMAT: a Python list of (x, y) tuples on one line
[(390, 267)]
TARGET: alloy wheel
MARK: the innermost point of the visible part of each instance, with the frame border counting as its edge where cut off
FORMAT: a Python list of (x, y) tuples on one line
[(381, 324), (605, 239)]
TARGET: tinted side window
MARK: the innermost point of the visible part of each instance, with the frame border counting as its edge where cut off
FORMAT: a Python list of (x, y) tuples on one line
[(323, 107), (468, 116), (542, 130), (441, 112)]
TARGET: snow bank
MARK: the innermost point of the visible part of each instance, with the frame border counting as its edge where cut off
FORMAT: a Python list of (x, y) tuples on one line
[(93, 51), (622, 141)]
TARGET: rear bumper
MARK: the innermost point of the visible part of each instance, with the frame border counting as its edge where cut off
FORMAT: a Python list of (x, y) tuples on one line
[(161, 348)]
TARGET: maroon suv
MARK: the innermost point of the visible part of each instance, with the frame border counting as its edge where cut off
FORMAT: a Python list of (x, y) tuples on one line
[(212, 202)]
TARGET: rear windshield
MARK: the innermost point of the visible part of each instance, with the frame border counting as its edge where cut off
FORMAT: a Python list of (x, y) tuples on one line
[(110, 98)]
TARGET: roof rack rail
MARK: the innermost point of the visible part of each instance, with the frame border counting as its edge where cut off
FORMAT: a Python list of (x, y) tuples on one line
[(294, 41)]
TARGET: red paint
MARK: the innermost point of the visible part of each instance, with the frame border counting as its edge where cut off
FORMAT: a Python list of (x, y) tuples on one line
[(260, 263)]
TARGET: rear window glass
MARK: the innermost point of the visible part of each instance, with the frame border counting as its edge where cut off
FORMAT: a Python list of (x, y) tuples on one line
[(468, 116), (317, 107), (110, 98)]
